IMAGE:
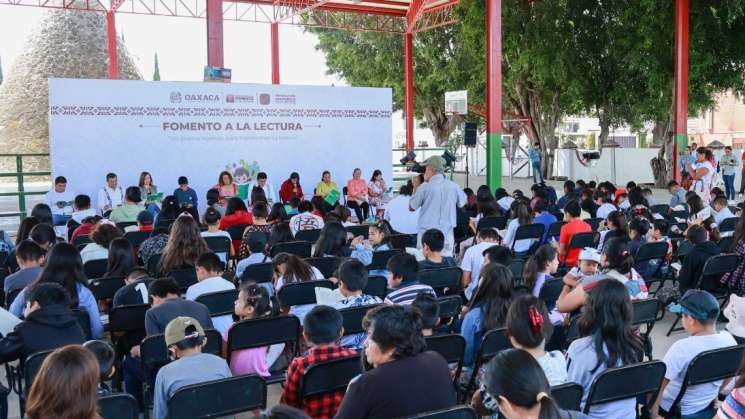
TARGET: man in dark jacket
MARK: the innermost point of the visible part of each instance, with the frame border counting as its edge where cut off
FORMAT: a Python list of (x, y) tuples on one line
[(694, 262), (49, 324)]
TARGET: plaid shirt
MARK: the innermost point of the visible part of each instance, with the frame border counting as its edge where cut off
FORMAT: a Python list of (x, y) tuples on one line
[(323, 406)]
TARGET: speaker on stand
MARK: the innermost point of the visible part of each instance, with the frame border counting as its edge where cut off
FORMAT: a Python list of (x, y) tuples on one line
[(470, 137)]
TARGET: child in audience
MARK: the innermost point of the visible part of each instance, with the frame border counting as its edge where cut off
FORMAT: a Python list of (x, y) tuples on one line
[(305, 219), (474, 257), (186, 197), (540, 267), (105, 356), (607, 341), (322, 328), (487, 309), (82, 209), (721, 209), (699, 311), (212, 221), (529, 328), (379, 240), (433, 241), (253, 303), (255, 246), (121, 258), (352, 281), (209, 273), (145, 222), (135, 290), (429, 309), (497, 254), (403, 285), (30, 258), (638, 229), (294, 208)]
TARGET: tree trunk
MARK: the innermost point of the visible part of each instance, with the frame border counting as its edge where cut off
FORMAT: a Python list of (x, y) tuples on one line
[(440, 124), (604, 122), (662, 165)]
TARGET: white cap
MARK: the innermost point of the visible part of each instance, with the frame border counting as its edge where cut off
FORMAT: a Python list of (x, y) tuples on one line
[(590, 254)]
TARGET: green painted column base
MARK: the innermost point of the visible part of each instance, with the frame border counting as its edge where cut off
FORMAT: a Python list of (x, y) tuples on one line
[(682, 141), (494, 160)]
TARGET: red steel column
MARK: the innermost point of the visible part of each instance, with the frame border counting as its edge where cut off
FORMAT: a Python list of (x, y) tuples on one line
[(214, 33), (111, 38), (681, 83), (409, 88), (494, 93), (275, 52)]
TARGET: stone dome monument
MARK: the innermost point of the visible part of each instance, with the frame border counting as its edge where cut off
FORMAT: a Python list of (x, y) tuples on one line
[(66, 44)]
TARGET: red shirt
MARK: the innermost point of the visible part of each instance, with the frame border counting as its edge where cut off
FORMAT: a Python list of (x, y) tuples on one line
[(146, 228), (234, 219), (567, 231), (84, 229), (322, 406), (286, 193)]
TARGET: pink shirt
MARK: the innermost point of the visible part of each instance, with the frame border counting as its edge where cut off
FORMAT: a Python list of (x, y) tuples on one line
[(248, 361), (356, 187)]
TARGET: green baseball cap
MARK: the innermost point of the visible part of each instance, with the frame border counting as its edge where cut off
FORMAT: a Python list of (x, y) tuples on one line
[(177, 330)]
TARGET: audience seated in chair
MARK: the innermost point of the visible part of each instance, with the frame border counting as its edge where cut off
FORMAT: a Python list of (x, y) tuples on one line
[(30, 257), (352, 281), (429, 310), (209, 275), (403, 285), (433, 241)]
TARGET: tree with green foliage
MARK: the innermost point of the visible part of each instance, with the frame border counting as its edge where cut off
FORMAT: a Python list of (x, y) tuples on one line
[(156, 71)]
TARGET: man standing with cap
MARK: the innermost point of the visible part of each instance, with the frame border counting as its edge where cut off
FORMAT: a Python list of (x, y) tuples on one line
[(699, 311), (185, 339), (438, 199)]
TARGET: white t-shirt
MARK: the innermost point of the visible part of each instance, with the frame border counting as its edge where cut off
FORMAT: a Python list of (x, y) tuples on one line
[(677, 358), (521, 246), (472, 261), (268, 192), (305, 221), (52, 197), (401, 218), (79, 216), (554, 365), (605, 210), (206, 286), (110, 198)]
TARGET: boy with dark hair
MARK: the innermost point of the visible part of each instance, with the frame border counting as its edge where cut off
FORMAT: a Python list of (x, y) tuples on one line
[(185, 340), (352, 281), (721, 208), (209, 275), (429, 308), (30, 257), (498, 254), (135, 290), (256, 245), (167, 305), (82, 208), (322, 328), (678, 194), (569, 194), (433, 241), (403, 285), (699, 311), (144, 221), (59, 200), (573, 226), (105, 356), (294, 207), (131, 209), (186, 197), (605, 207), (541, 215), (473, 259), (693, 263), (305, 219)]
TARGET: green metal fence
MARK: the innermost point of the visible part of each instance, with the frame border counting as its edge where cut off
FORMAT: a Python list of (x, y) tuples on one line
[(20, 174)]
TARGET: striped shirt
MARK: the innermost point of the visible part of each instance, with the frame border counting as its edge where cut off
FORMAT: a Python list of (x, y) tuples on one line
[(734, 406), (407, 292)]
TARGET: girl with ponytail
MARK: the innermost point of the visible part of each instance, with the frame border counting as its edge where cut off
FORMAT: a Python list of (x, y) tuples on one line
[(515, 386), (539, 268)]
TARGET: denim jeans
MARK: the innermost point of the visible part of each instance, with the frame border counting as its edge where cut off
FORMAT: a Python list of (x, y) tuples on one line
[(729, 186), (537, 173)]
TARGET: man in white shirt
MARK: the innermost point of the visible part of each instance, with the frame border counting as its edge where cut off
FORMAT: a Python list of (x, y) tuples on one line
[(60, 201), (305, 220), (261, 182), (397, 211), (699, 311), (474, 259), (111, 195), (209, 271)]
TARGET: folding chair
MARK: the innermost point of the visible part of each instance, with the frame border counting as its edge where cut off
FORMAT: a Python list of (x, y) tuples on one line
[(402, 241), (594, 223), (626, 382), (498, 222), (529, 232), (516, 267), (12, 296), (441, 279), (380, 259), (153, 264), (352, 318), (184, 277), (359, 230), (236, 231), (457, 412), (377, 286), (327, 265), (81, 241), (725, 244), (26, 374), (714, 269), (218, 398), (300, 293), (551, 290), (135, 238), (707, 367), (297, 248), (124, 224), (258, 272), (452, 347), (449, 311), (652, 251), (682, 214), (580, 241), (81, 315), (219, 303), (684, 248), (493, 341), (328, 377), (308, 235), (256, 333), (105, 288), (219, 245), (118, 406), (554, 230), (728, 225), (95, 268), (645, 313), (127, 328), (572, 332), (662, 209), (567, 396)]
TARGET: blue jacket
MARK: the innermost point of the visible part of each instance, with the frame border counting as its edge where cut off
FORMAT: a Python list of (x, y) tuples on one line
[(186, 197)]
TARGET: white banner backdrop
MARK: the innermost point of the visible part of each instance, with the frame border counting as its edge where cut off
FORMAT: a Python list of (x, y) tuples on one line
[(197, 130)]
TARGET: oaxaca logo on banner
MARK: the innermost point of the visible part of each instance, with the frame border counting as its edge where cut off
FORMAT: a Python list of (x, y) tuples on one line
[(198, 130)]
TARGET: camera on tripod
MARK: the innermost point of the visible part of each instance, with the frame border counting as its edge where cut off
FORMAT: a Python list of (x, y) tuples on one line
[(409, 160)]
